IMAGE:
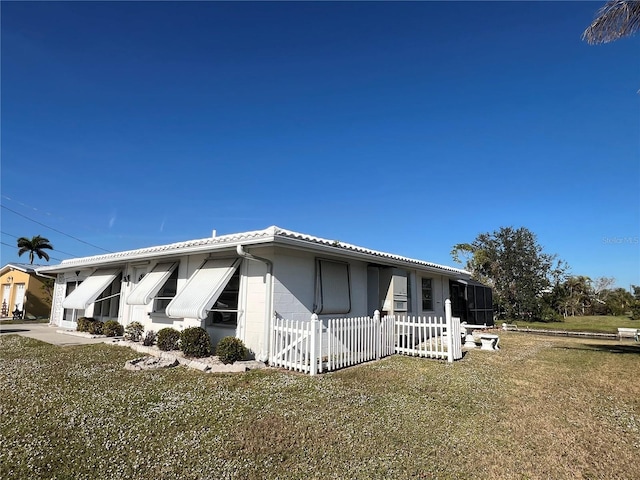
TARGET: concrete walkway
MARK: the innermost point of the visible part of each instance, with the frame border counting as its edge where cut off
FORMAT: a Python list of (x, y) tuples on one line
[(46, 333)]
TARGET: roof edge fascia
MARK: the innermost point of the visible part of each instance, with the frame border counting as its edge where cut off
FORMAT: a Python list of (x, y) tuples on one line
[(354, 252), (14, 266), (132, 256)]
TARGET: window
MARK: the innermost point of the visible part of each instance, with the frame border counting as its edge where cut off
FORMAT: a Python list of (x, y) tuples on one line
[(427, 294), (94, 286), (18, 301), (166, 293), (203, 289), (107, 305), (68, 312), (333, 287), (148, 286), (225, 310)]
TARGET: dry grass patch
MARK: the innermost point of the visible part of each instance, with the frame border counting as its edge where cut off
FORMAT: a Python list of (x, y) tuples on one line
[(572, 411)]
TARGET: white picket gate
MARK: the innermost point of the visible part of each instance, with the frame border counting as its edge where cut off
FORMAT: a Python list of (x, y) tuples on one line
[(315, 346), (293, 345)]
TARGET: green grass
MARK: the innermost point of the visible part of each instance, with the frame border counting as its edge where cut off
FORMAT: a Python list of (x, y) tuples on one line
[(539, 408), (595, 323)]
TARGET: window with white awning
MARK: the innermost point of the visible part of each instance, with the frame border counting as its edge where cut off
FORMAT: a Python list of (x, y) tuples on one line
[(203, 289), (151, 284), (90, 289)]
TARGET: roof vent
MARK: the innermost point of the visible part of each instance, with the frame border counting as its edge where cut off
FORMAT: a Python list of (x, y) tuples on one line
[(213, 234)]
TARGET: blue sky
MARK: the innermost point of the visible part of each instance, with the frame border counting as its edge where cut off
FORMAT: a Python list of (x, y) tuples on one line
[(406, 127)]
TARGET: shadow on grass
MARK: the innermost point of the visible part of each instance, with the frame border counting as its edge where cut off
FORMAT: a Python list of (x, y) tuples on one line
[(13, 330), (624, 348)]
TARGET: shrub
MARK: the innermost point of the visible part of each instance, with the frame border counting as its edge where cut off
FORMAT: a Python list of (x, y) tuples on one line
[(550, 315), (94, 326), (168, 339), (111, 328), (195, 342), (83, 324), (149, 338), (133, 331), (231, 349)]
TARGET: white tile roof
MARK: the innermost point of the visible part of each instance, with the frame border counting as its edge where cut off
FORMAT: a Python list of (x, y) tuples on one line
[(271, 234)]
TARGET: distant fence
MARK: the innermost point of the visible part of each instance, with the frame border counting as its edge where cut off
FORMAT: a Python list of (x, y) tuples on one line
[(317, 346)]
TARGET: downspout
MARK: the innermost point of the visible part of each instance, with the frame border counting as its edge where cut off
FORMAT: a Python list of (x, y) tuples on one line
[(45, 276), (264, 355)]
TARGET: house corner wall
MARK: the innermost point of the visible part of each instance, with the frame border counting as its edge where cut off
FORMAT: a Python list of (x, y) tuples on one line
[(253, 301)]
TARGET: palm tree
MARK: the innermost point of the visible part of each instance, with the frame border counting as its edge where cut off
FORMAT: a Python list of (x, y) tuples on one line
[(35, 246), (616, 19)]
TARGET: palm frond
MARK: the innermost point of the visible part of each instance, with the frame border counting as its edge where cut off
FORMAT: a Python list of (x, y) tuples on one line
[(616, 19), (42, 254)]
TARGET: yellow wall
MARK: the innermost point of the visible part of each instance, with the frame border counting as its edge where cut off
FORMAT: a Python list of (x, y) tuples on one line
[(36, 304)]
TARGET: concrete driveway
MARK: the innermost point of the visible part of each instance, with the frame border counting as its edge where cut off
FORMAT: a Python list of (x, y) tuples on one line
[(46, 333)]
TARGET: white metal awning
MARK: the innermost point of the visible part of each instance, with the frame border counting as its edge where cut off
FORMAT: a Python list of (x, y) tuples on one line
[(151, 284), (202, 289), (90, 289)]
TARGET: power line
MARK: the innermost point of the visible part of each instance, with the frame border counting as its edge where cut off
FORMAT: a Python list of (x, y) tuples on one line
[(55, 230), (31, 207), (50, 257), (60, 251)]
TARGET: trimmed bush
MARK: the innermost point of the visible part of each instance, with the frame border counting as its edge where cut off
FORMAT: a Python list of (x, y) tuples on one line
[(149, 338), (133, 332), (111, 328), (94, 326), (168, 339), (195, 342), (82, 324), (231, 349)]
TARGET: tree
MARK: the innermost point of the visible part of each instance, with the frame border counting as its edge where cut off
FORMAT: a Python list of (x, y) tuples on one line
[(48, 285), (635, 306), (619, 301), (35, 246), (616, 19), (513, 264), (580, 294), (601, 284)]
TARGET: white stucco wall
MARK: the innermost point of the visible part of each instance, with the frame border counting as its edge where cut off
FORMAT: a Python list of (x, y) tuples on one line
[(440, 292), (252, 302), (294, 285)]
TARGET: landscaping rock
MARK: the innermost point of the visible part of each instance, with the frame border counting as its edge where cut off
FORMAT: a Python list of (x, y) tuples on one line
[(252, 364), (150, 363), (203, 367), (75, 333), (157, 358), (229, 368)]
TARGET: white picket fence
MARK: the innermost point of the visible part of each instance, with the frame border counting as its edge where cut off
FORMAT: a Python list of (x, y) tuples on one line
[(317, 346)]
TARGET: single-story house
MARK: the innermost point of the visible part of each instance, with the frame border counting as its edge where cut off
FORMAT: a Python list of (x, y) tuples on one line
[(233, 285), (24, 291)]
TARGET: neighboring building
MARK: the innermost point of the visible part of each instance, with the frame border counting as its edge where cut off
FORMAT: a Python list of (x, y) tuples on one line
[(234, 284), (23, 290)]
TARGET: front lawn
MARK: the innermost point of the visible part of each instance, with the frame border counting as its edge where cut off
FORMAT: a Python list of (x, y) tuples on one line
[(539, 408)]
